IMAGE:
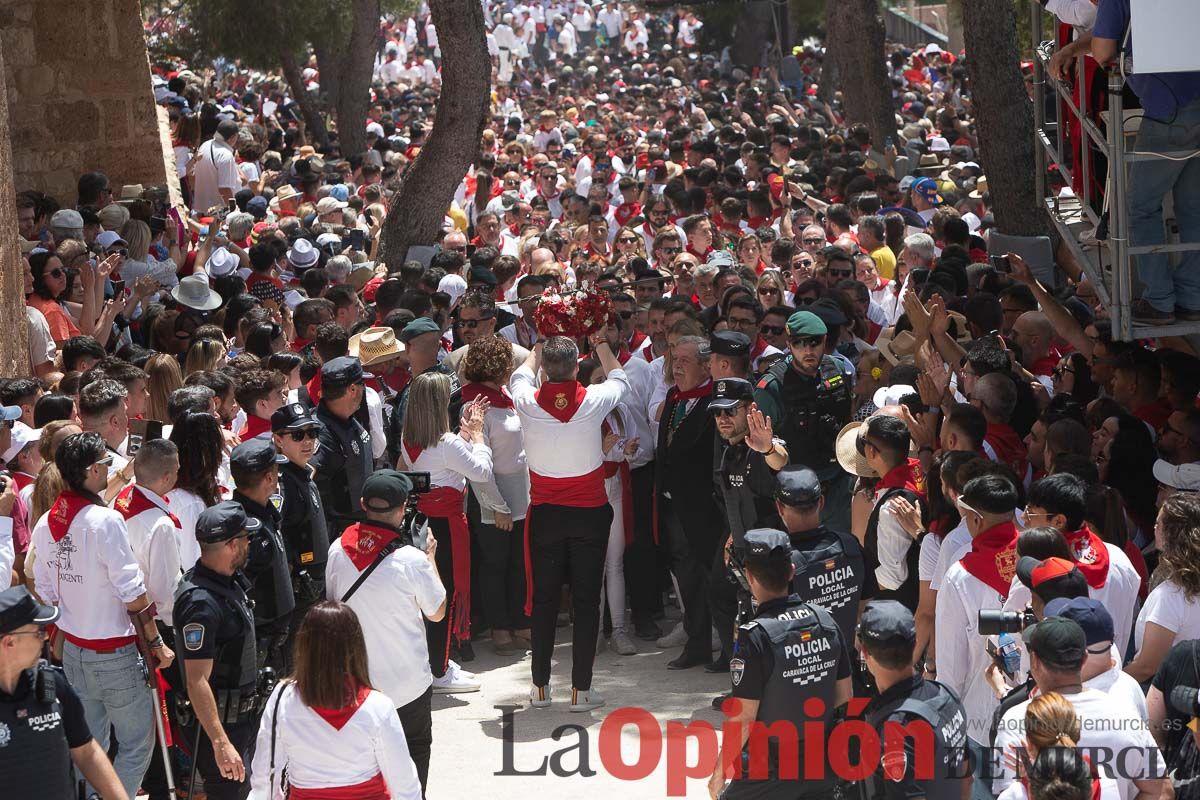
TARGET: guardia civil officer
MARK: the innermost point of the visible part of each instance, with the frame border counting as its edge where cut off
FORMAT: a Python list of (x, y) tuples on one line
[(215, 628), (808, 398), (296, 431), (887, 636), (254, 466), (422, 340), (344, 459), (42, 725), (790, 653), (830, 568), (747, 455)]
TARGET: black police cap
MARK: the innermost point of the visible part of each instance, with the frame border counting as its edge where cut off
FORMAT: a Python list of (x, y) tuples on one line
[(343, 371), (223, 521), (730, 343), (293, 416), (767, 542), (255, 455), (887, 620), (728, 392), (385, 489), (797, 486), (19, 608)]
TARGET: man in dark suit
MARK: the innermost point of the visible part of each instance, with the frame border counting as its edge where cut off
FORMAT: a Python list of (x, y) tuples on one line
[(687, 512)]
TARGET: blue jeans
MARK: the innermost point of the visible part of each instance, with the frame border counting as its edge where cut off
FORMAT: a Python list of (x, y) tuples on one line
[(1149, 181), (113, 693)]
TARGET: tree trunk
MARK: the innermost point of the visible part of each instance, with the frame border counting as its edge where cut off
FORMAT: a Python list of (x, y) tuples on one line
[(356, 61), (14, 346), (314, 123), (1004, 115), (419, 206), (856, 52)]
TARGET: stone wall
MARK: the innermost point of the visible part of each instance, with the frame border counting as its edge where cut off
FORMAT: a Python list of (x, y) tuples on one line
[(79, 94)]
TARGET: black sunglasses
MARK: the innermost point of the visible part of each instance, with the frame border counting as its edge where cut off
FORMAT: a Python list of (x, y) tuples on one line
[(1058, 371), (771, 330), (625, 314), (725, 412), (808, 341), (626, 240), (841, 273), (860, 444), (307, 433), (475, 323), (671, 251), (56, 272), (805, 301)]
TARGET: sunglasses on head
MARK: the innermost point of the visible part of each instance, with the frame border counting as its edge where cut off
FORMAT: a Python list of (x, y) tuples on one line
[(307, 433), (772, 330), (104, 462)]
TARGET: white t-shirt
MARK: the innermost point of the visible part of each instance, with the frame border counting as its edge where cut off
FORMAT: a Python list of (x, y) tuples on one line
[(391, 605), (216, 170), (41, 343), (1169, 607)]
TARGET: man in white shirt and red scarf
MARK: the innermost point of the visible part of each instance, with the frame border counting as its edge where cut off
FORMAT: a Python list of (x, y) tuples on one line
[(86, 567), (567, 525)]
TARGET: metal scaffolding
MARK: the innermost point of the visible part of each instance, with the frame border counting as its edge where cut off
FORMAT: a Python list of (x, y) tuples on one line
[(1108, 263)]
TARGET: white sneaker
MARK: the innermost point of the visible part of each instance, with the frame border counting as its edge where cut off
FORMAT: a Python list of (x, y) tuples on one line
[(676, 638), (622, 643), (585, 700), (454, 665), (453, 682), (539, 696)]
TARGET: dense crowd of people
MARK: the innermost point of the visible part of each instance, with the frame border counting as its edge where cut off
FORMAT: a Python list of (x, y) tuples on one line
[(825, 442)]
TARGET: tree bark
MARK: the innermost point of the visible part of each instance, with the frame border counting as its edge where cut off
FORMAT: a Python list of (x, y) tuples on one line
[(1004, 115), (427, 188), (856, 52), (346, 68), (314, 123), (14, 347)]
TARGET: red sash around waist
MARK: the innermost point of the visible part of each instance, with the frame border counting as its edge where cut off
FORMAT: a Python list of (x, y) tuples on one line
[(99, 645), (577, 491), (371, 789), (447, 503)]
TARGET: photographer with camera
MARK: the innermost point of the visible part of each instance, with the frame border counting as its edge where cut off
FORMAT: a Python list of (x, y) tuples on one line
[(393, 587), (1174, 706)]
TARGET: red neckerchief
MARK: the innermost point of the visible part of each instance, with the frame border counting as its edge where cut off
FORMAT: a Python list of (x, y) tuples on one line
[(299, 344), (362, 542), (626, 212), (62, 513), (314, 388), (993, 557), (132, 501), (648, 351), (514, 229), (1045, 365), (499, 398), (677, 394), (1008, 446), (560, 399), (623, 355), (760, 345), (1154, 414), (338, 717), (22, 480), (255, 426), (413, 452), (904, 476), (702, 256), (636, 340), (1090, 555), (757, 222)]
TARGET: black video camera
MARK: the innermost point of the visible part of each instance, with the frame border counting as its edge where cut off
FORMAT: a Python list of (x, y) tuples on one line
[(421, 483), (1185, 700), (994, 623)]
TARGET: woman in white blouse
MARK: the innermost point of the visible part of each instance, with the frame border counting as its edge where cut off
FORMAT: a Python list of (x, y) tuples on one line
[(451, 460), (201, 445), (503, 500), (327, 729), (1172, 611)]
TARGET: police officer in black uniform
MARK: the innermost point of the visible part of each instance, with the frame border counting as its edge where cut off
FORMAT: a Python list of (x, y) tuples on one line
[(420, 327), (42, 724), (730, 355), (887, 637), (296, 431), (255, 469), (343, 460), (808, 398), (746, 459), (830, 567), (214, 625), (790, 653)]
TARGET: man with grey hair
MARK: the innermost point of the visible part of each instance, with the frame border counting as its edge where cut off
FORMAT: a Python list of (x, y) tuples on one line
[(683, 478), (918, 252), (705, 278), (569, 515), (338, 268), (995, 394)]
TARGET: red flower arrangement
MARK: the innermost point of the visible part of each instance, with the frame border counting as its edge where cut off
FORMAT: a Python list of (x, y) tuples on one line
[(576, 313)]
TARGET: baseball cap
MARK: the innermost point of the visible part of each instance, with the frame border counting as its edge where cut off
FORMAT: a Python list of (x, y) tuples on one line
[(224, 521), (343, 371), (728, 392), (257, 207), (927, 188), (385, 489), (255, 455), (1089, 614), (67, 218), (22, 437), (1051, 578), (1184, 477), (19, 608), (293, 416), (767, 543), (886, 620), (797, 486), (107, 239), (1058, 641)]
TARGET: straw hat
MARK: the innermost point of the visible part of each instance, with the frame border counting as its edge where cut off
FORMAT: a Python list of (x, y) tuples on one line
[(375, 346), (131, 192), (847, 451), (285, 192), (896, 347), (980, 187)]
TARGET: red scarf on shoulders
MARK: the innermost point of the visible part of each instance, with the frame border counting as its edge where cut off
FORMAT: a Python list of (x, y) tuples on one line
[(254, 427), (560, 399), (904, 476), (64, 510), (1090, 554), (132, 501), (703, 390), (993, 557), (338, 717), (499, 398), (1008, 447), (362, 542)]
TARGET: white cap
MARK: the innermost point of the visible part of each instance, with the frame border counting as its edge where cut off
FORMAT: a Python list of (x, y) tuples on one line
[(293, 298), (973, 221), (22, 436), (327, 205), (1184, 477), (221, 262), (938, 144), (933, 48), (107, 239), (890, 395), (453, 285), (326, 239)]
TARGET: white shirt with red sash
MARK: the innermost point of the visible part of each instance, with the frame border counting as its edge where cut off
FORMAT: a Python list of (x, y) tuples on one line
[(86, 567), (761, 349), (351, 752), (154, 539)]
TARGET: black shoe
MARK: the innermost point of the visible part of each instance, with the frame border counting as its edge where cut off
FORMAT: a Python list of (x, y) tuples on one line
[(718, 666), (686, 661), (466, 652), (1187, 314), (718, 701), (646, 630), (1146, 314)]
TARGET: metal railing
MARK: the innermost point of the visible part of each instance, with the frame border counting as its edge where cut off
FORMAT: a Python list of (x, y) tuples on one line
[(902, 28), (1108, 264)]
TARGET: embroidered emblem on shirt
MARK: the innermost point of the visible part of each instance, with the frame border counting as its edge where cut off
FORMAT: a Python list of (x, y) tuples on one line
[(560, 401), (193, 636)]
